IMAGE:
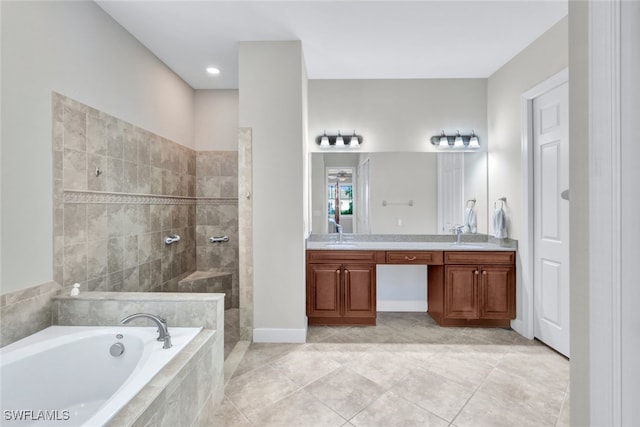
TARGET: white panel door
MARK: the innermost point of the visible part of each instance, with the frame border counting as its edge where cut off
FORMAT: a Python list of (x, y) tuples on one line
[(551, 217), (450, 191)]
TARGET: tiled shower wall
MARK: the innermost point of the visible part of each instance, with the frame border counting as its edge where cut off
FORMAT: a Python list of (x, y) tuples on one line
[(217, 214), (119, 190)]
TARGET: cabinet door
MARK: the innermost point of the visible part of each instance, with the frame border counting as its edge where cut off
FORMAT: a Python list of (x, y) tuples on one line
[(360, 290), (497, 292), (323, 290), (461, 292)]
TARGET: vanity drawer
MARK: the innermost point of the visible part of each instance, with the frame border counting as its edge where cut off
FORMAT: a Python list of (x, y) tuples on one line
[(479, 257), (371, 257), (414, 257)]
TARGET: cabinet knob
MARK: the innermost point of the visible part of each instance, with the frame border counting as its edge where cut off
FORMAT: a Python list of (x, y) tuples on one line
[(484, 272), (476, 272), (410, 258)]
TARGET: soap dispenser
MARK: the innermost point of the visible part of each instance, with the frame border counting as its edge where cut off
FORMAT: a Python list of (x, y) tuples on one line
[(76, 290)]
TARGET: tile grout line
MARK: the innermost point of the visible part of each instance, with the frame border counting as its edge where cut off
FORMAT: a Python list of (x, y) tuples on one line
[(238, 409), (562, 406), (493, 368)]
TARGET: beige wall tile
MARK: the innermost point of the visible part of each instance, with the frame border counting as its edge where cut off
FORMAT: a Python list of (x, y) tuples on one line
[(75, 129), (75, 170)]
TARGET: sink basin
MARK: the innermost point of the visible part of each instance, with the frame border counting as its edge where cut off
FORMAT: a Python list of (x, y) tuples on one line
[(342, 244), (466, 246)]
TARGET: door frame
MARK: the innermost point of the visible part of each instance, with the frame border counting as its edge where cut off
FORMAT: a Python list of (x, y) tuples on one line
[(441, 156), (523, 324)]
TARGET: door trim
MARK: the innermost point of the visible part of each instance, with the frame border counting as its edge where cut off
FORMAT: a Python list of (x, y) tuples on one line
[(605, 207), (523, 324)]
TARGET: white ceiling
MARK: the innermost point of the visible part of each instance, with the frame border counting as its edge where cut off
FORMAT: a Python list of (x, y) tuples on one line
[(340, 39)]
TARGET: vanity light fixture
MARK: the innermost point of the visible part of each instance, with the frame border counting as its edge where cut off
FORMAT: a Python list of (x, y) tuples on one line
[(324, 141), (473, 141), (456, 142), (443, 142), (336, 140), (354, 143)]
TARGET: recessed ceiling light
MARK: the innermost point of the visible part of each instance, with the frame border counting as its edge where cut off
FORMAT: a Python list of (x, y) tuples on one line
[(213, 70)]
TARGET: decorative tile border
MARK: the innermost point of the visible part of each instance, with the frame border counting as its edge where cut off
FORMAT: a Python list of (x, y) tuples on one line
[(216, 201), (71, 196)]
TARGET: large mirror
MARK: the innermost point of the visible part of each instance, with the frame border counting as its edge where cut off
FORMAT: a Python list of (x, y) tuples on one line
[(398, 193)]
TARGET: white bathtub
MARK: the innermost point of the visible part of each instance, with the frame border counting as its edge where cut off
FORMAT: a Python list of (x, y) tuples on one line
[(66, 374)]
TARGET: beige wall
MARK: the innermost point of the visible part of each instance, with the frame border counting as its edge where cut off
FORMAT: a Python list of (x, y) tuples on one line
[(76, 49), (397, 115), (398, 178), (216, 120), (545, 57), (579, 215), (271, 104)]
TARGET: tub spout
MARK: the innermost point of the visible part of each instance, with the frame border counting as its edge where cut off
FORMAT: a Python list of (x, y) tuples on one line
[(163, 330)]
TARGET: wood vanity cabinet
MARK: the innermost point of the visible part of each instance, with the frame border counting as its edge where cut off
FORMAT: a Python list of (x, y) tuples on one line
[(479, 290), (341, 287)]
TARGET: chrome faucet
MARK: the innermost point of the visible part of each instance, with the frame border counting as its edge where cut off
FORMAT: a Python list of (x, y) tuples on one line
[(458, 230), (338, 229), (163, 330)]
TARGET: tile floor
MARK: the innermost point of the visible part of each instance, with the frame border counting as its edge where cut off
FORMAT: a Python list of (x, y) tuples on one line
[(405, 371)]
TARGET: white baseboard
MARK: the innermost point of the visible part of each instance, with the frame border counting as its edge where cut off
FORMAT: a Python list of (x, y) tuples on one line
[(419, 305), (280, 335)]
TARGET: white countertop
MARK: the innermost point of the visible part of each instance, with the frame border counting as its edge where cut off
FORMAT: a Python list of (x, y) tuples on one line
[(406, 246)]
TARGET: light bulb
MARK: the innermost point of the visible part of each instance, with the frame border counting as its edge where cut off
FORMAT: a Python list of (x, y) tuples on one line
[(324, 141), (444, 141), (458, 142), (339, 141), (354, 141), (473, 142)]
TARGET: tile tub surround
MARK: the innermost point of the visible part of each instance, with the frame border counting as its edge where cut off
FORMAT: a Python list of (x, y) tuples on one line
[(189, 389), (183, 393), (108, 308), (207, 282), (26, 311)]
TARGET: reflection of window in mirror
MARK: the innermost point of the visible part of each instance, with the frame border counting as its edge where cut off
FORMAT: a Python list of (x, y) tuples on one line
[(340, 199)]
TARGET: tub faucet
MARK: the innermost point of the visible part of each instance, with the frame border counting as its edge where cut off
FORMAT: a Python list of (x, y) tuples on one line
[(163, 330)]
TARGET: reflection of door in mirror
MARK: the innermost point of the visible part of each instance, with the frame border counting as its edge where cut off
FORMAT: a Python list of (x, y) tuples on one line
[(341, 207), (362, 217), (450, 191)]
